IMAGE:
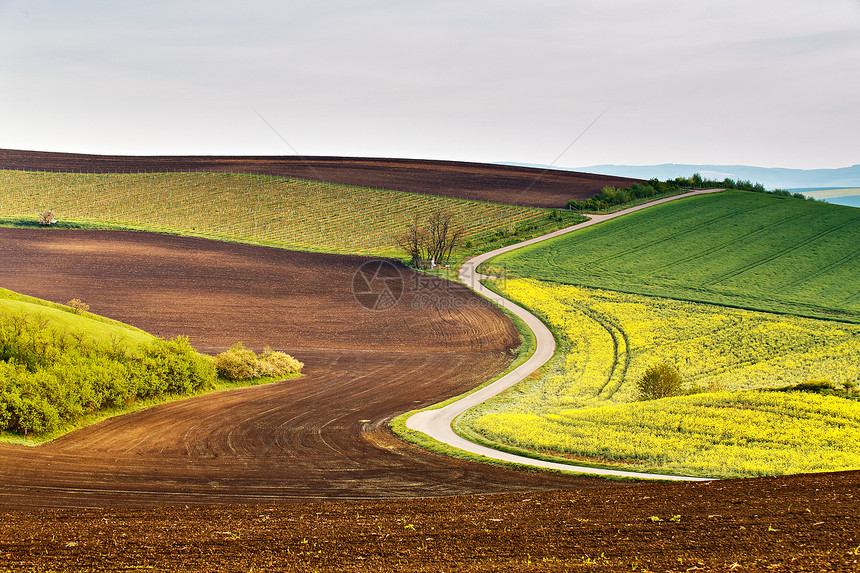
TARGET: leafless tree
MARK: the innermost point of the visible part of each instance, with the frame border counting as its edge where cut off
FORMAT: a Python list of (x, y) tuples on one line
[(412, 241), (433, 241)]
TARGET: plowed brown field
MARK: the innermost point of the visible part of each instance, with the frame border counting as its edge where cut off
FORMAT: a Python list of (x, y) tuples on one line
[(321, 436), (478, 181)]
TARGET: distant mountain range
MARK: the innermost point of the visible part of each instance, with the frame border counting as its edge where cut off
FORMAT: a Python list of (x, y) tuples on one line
[(771, 178)]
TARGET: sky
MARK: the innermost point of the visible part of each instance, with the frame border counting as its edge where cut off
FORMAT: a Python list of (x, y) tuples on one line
[(772, 83)]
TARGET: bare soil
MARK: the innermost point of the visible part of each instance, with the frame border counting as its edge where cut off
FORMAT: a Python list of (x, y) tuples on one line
[(478, 181), (304, 475), (802, 523)]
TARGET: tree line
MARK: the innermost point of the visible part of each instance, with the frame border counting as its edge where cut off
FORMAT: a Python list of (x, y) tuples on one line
[(612, 196)]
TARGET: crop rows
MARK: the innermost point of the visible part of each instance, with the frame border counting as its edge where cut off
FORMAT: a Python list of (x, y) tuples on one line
[(254, 208), (575, 407), (740, 249)]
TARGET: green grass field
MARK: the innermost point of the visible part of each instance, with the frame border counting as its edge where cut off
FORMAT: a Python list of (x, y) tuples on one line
[(259, 209), (733, 248)]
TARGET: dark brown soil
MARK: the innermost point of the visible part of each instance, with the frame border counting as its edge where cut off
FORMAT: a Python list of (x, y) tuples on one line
[(485, 182), (803, 523), (304, 475)]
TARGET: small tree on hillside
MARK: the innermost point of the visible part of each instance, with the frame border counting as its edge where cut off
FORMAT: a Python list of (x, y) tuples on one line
[(47, 218), (78, 305), (434, 240)]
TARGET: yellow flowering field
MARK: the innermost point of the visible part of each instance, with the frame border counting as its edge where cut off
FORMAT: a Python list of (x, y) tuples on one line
[(584, 404)]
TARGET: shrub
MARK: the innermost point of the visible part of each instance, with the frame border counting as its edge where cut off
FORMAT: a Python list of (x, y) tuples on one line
[(78, 305), (240, 363), (659, 381), (281, 364), (33, 415), (178, 368), (6, 400)]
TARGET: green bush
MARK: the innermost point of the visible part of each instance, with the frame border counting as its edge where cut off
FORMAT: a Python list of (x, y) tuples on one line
[(240, 363), (32, 415), (280, 363), (49, 377), (660, 381), (178, 367)]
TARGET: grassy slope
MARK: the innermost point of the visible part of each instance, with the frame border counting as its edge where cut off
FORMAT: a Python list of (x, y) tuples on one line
[(259, 209), (95, 329), (734, 248)]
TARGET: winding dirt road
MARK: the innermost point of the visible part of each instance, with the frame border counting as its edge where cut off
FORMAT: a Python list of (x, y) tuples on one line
[(436, 423)]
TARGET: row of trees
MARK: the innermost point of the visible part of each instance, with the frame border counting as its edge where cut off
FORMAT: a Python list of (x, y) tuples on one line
[(612, 196)]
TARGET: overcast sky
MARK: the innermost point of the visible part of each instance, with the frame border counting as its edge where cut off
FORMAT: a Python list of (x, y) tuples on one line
[(774, 83)]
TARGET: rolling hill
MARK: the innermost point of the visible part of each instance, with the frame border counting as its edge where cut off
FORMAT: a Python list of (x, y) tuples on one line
[(740, 249), (510, 185)]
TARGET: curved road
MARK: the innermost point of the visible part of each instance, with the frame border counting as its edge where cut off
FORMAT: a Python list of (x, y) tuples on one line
[(437, 423)]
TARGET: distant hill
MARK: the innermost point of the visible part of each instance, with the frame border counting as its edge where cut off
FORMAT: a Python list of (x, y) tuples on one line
[(772, 178)]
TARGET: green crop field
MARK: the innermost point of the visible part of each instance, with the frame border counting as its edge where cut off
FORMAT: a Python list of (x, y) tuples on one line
[(585, 403), (259, 209), (733, 248)]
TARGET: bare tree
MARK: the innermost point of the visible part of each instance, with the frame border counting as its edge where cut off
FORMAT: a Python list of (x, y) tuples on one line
[(433, 241), (444, 235), (412, 241)]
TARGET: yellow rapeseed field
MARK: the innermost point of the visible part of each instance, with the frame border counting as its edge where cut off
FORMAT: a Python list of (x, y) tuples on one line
[(584, 404)]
